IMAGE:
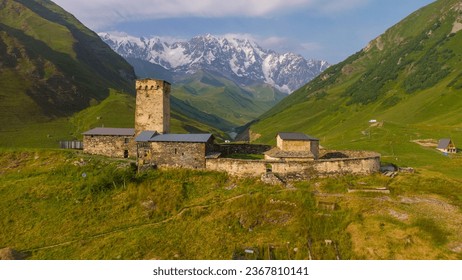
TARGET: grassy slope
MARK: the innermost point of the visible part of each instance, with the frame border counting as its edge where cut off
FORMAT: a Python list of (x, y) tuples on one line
[(337, 106), (50, 211), (51, 44)]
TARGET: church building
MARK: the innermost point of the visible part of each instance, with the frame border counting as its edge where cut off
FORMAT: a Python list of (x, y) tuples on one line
[(150, 142)]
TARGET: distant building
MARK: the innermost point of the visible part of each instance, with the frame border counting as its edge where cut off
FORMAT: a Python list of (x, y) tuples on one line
[(447, 146), (294, 146)]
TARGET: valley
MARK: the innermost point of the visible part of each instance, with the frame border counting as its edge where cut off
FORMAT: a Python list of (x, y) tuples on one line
[(398, 96)]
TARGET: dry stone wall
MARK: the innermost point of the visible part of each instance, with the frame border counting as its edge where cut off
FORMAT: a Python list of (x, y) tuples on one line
[(228, 149), (294, 145), (111, 146), (237, 167), (363, 163), (174, 154)]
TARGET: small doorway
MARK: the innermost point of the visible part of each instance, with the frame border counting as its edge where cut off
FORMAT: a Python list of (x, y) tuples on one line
[(125, 153)]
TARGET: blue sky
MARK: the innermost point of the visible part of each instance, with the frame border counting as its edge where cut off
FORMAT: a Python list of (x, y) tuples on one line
[(330, 30)]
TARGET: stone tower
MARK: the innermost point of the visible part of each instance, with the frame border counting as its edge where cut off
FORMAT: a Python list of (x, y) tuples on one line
[(152, 106)]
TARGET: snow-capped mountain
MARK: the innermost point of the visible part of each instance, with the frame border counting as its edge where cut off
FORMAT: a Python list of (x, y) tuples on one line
[(240, 60)]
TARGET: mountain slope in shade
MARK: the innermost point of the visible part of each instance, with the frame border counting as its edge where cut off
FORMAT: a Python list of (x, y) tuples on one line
[(408, 79), (53, 64), (241, 61)]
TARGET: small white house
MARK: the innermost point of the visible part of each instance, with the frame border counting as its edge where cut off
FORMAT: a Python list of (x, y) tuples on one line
[(447, 146)]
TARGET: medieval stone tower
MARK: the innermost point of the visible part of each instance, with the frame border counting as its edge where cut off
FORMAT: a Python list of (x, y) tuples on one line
[(152, 106)]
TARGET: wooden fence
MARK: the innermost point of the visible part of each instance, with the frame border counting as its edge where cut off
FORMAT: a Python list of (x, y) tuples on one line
[(78, 145)]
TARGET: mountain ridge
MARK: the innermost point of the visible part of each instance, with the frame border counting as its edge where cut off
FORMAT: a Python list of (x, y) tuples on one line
[(240, 60)]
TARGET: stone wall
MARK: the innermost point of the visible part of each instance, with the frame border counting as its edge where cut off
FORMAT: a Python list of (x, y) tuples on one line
[(363, 163), (173, 154), (238, 167), (111, 146), (293, 145), (367, 164), (227, 149)]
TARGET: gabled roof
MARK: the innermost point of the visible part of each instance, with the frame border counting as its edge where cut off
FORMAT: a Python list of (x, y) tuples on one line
[(153, 136), (145, 136), (109, 131), (296, 136), (444, 143)]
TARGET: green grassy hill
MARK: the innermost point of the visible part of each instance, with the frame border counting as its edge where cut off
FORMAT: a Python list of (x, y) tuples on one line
[(408, 79), (68, 205), (52, 63), (51, 67)]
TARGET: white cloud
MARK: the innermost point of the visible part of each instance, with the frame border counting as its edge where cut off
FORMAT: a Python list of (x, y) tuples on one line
[(310, 46), (104, 13), (336, 6)]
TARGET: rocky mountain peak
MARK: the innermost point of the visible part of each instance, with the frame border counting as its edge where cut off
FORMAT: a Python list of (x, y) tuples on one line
[(240, 60)]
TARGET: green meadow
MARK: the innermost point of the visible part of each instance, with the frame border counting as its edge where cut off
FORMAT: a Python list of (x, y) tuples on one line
[(68, 205)]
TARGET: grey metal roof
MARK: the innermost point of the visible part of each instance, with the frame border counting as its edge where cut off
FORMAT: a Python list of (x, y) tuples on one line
[(444, 143), (145, 136), (296, 136), (191, 138), (109, 131)]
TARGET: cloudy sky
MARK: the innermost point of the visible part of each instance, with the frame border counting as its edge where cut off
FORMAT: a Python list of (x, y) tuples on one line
[(321, 29)]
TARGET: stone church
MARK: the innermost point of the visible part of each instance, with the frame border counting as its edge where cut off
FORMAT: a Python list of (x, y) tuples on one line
[(150, 142)]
